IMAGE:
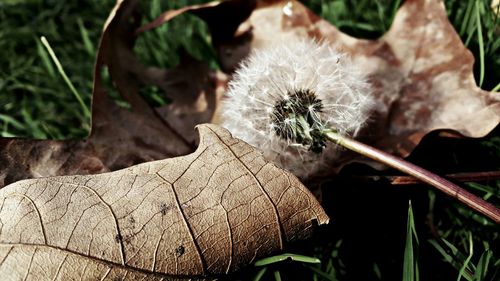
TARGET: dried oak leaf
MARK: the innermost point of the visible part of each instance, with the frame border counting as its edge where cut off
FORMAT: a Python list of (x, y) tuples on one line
[(120, 137), (420, 70), (193, 87), (195, 216)]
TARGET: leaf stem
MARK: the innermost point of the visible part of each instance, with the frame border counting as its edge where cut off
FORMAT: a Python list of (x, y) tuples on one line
[(423, 175)]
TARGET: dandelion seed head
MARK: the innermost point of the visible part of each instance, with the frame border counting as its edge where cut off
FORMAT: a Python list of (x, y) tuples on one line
[(276, 85)]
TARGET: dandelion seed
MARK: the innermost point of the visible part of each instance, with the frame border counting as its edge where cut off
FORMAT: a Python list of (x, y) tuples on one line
[(302, 78)]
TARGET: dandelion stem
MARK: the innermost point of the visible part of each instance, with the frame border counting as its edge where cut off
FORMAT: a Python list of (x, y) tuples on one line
[(423, 175)]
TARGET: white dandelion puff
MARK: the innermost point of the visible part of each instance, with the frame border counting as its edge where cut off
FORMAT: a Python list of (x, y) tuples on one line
[(273, 82), (290, 100)]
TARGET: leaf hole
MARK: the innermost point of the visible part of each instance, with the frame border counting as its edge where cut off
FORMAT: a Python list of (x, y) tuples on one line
[(180, 251), (111, 89), (314, 223), (164, 208), (118, 238), (131, 220)]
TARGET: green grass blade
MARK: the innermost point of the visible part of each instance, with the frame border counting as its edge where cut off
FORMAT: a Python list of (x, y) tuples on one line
[(467, 261), (410, 268), (377, 271), (467, 17), (381, 15), (284, 257), (459, 255), (11, 121), (357, 25), (48, 131), (481, 44), (497, 15), (452, 256), (6, 134), (277, 275), (85, 109), (395, 8), (488, 190), (155, 9), (417, 272), (260, 274), (322, 274), (497, 88), (87, 43), (45, 59), (482, 265), (470, 18), (446, 256)]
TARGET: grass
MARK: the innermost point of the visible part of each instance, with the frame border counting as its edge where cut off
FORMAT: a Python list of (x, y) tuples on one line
[(32, 93), (375, 242), (60, 69), (410, 263)]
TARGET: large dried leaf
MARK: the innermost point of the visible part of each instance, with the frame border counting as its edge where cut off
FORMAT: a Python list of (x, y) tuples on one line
[(206, 213), (22, 159), (120, 137), (192, 85), (420, 71)]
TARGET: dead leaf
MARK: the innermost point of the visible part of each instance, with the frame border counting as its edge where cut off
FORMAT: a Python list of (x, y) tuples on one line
[(206, 213), (21, 159), (196, 90), (420, 70), (145, 135)]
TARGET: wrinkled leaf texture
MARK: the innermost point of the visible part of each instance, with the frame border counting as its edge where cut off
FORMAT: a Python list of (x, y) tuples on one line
[(204, 214)]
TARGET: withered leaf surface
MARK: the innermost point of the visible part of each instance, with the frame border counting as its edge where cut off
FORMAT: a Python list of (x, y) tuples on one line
[(21, 159), (420, 70), (203, 214)]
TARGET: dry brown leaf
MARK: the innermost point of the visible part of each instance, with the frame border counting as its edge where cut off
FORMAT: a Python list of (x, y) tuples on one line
[(420, 71), (197, 92), (145, 135), (209, 212), (21, 159)]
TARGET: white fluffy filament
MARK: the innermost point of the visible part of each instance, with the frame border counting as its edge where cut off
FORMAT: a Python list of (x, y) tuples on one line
[(271, 75)]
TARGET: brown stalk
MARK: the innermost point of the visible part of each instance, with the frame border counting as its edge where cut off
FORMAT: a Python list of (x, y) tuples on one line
[(455, 177), (459, 177), (419, 173)]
